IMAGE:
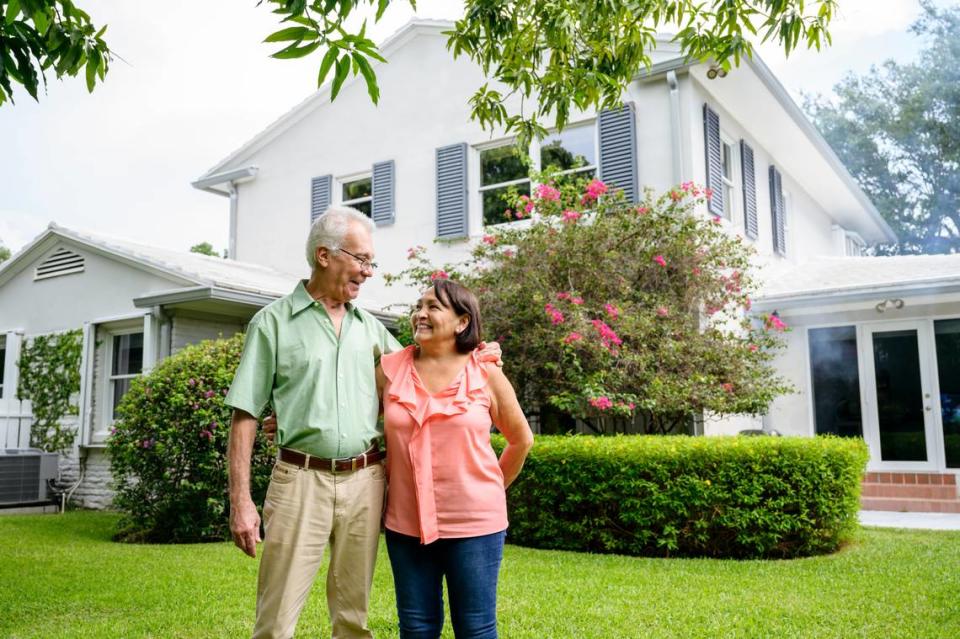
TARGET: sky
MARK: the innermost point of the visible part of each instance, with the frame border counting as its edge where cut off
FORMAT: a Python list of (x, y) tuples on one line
[(193, 82)]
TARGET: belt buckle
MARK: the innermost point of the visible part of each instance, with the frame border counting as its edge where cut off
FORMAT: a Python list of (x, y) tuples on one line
[(333, 466)]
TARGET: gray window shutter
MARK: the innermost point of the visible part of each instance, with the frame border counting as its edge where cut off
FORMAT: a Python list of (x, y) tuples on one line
[(618, 150), (714, 159), (384, 209), (320, 188), (452, 190), (747, 170), (777, 211)]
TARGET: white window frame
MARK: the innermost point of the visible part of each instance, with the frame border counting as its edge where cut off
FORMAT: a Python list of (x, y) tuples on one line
[(732, 201), (355, 177), (536, 166), (853, 244), (106, 378), (3, 363)]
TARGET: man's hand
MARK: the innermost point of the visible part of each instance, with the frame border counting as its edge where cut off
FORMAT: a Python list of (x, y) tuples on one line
[(488, 352), (245, 526), (270, 428)]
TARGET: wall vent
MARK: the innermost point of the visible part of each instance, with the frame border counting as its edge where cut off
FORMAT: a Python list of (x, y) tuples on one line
[(62, 262)]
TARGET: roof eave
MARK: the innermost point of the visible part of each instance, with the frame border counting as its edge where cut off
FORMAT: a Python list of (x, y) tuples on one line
[(844, 295)]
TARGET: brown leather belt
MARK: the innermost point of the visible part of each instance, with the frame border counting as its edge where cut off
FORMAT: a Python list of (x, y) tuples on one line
[(346, 464)]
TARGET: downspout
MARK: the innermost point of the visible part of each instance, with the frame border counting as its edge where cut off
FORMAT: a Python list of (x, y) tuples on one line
[(675, 132), (232, 241)]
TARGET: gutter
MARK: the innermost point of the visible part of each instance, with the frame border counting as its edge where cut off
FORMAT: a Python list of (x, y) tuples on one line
[(800, 299), (203, 293), (676, 134)]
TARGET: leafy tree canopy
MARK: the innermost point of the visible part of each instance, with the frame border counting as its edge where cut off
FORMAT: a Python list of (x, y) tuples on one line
[(4, 254), (897, 128), (37, 36), (559, 55)]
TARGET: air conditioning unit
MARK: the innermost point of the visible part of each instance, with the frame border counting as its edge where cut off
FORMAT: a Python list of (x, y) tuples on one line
[(24, 473)]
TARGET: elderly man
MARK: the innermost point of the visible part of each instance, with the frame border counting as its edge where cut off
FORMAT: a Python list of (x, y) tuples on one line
[(312, 353)]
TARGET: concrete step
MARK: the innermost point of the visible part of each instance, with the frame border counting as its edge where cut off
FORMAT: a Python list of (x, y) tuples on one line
[(895, 504), (909, 491)]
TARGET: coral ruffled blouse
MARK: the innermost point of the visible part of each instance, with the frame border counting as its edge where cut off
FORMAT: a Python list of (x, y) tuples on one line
[(444, 478)]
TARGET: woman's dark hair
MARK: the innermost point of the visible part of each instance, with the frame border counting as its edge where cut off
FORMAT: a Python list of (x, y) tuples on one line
[(463, 302)]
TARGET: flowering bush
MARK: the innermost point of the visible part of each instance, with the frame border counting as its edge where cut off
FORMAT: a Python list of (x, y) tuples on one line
[(168, 449), (608, 309)]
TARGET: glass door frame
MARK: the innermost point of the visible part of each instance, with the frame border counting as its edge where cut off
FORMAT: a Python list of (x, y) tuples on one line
[(930, 387)]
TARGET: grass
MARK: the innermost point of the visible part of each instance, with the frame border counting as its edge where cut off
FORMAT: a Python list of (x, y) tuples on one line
[(61, 576)]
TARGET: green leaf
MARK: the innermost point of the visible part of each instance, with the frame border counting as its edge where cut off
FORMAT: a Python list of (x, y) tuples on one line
[(369, 76), (93, 61), (291, 33), (13, 9), (293, 51), (343, 68), (328, 60)]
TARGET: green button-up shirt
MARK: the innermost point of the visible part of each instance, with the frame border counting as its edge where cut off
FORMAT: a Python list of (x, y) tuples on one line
[(322, 387)]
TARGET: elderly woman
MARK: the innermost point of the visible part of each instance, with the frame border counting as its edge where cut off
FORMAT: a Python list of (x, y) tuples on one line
[(446, 514)]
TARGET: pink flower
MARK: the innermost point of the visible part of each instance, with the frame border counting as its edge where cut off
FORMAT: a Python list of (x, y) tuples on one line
[(727, 386), (642, 210), (595, 189), (576, 300), (708, 193), (753, 348), (489, 239), (508, 253), (439, 274), (696, 270), (686, 186), (676, 196), (747, 303), (414, 251), (716, 219), (508, 214), (603, 402), (556, 317), (777, 324), (572, 337), (659, 259), (191, 382), (209, 394), (570, 216), (608, 337), (612, 311), (663, 311), (563, 295), (547, 192), (148, 443), (207, 434)]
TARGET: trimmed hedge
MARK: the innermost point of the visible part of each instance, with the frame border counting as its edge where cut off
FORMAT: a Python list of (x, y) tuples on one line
[(736, 497), (168, 449)]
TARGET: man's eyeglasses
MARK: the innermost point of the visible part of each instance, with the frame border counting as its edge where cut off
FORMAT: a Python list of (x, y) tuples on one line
[(365, 264)]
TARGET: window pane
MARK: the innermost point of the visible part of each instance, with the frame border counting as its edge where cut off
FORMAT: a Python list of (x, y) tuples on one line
[(836, 381), (127, 354), (727, 161), (569, 148), (3, 358), (357, 188), (120, 388), (948, 370), (364, 207), (495, 203), (501, 164), (896, 358)]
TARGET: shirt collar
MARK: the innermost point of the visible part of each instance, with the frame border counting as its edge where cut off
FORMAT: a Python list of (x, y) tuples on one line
[(301, 300)]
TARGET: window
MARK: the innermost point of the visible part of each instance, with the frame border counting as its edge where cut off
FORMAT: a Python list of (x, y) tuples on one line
[(571, 151), (835, 378), (3, 359), (358, 193), (501, 167), (854, 245), (947, 335), (126, 363), (727, 160)]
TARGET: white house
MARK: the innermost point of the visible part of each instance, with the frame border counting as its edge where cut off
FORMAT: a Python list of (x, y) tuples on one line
[(423, 170)]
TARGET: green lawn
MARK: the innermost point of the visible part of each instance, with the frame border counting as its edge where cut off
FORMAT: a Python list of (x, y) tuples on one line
[(61, 576)]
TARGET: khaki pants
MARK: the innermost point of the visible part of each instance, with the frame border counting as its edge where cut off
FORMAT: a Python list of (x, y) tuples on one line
[(303, 510)]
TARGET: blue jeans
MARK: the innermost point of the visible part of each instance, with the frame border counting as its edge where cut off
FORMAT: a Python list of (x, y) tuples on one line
[(470, 565)]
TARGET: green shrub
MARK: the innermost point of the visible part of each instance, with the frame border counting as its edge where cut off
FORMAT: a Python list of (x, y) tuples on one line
[(739, 497), (168, 449)]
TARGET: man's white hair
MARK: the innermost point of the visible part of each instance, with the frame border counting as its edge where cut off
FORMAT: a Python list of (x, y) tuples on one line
[(331, 227)]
